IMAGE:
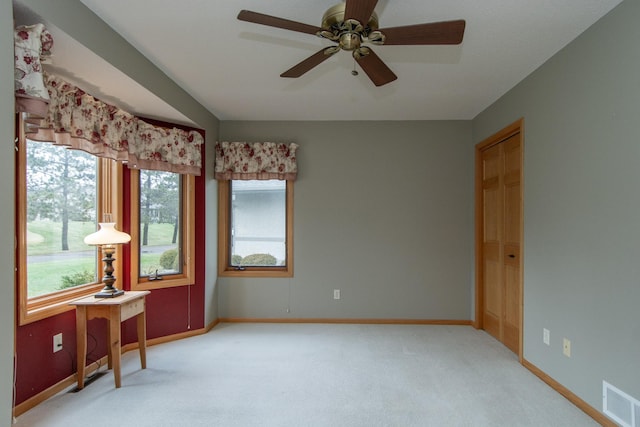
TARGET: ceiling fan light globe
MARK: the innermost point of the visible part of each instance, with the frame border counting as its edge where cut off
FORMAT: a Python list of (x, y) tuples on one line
[(351, 26), (361, 52), (328, 35), (376, 37), (331, 50)]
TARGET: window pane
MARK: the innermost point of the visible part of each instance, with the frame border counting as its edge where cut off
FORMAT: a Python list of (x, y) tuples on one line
[(160, 223), (258, 223), (61, 211)]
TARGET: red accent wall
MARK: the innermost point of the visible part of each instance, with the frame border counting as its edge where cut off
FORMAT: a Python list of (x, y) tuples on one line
[(169, 311)]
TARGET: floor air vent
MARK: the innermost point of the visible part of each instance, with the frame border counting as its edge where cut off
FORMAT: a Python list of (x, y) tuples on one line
[(619, 406)]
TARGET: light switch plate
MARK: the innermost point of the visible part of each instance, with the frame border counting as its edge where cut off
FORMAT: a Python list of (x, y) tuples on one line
[(566, 347), (57, 342)]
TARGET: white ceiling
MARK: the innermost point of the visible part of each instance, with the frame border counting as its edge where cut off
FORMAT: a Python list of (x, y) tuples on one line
[(232, 67)]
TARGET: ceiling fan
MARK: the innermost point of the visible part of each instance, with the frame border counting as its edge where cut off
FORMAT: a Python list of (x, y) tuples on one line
[(352, 24)]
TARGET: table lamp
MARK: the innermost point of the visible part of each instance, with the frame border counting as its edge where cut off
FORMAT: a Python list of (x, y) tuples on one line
[(107, 237)]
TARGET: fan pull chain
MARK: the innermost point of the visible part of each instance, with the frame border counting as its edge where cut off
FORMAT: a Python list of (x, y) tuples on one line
[(354, 72)]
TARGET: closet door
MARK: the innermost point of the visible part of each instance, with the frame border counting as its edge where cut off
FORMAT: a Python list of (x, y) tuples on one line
[(492, 246), (501, 223), (511, 243)]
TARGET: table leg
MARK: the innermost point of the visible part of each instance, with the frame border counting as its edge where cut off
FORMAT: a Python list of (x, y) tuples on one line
[(81, 343), (114, 342), (109, 355), (142, 339)]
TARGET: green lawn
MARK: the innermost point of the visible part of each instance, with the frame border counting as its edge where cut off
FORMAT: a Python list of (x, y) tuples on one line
[(44, 238), (45, 277)]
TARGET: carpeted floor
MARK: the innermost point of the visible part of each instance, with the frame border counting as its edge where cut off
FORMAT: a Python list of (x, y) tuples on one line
[(245, 374)]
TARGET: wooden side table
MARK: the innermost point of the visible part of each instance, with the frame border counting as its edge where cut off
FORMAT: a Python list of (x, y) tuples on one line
[(115, 310)]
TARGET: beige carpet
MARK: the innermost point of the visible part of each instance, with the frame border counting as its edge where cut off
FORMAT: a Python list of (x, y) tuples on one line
[(317, 375)]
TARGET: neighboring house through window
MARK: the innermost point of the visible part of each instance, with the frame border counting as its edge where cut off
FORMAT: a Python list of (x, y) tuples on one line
[(255, 226)]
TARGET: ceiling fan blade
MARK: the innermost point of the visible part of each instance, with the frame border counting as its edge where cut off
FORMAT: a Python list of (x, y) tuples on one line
[(273, 21), (360, 10), (446, 32), (306, 65), (377, 70)]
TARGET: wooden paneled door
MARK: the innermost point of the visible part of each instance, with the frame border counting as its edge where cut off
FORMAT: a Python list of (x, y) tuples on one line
[(499, 225)]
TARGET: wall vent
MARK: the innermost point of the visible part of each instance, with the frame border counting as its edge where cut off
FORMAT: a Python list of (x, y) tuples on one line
[(619, 406)]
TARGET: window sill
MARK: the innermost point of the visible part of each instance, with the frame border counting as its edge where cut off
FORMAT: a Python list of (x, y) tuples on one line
[(165, 282), (254, 272), (39, 308)]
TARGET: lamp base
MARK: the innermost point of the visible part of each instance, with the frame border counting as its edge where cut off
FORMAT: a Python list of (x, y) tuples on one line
[(108, 293)]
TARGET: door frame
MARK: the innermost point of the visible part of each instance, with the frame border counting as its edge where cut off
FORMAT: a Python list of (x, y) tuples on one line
[(512, 129)]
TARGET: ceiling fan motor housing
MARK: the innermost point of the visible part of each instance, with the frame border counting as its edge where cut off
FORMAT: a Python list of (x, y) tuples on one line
[(350, 33), (334, 17)]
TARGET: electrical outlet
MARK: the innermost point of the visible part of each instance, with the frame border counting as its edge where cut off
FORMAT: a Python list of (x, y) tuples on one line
[(566, 347), (336, 294), (57, 342), (546, 336)]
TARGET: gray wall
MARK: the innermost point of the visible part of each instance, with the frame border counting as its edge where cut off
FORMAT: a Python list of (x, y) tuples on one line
[(397, 237), (383, 211), (211, 233), (582, 205), (79, 22), (7, 182)]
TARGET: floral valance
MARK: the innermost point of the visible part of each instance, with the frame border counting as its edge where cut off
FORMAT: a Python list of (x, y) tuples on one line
[(58, 112), (255, 160), (78, 120), (32, 45)]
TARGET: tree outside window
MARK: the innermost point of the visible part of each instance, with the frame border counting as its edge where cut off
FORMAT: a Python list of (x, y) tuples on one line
[(160, 223), (60, 211)]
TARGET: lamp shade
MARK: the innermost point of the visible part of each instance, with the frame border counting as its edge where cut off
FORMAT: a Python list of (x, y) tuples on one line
[(107, 235)]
